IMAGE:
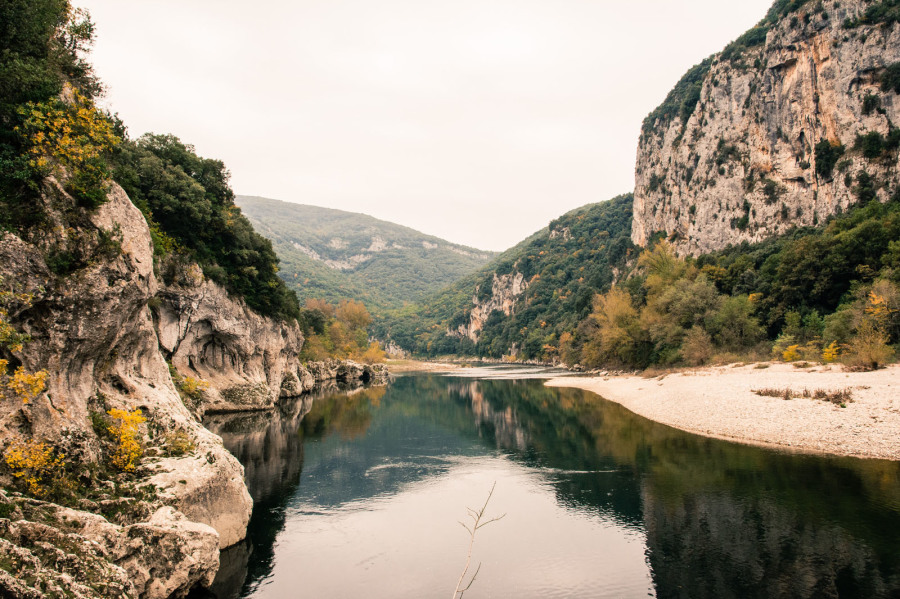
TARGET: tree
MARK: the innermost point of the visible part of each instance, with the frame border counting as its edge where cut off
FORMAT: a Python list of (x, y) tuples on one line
[(737, 327), (615, 318)]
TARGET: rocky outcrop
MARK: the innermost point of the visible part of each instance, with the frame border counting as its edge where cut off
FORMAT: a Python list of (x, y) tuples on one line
[(771, 143), (208, 335), (313, 375), (505, 293), (56, 551), (91, 329), (394, 351)]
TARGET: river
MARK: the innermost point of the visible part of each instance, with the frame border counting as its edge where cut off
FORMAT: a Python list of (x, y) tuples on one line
[(360, 494)]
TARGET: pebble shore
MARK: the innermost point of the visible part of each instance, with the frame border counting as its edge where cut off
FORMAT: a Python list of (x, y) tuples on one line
[(720, 402)]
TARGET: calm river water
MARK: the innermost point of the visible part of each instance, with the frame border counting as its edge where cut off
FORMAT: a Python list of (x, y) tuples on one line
[(359, 495)]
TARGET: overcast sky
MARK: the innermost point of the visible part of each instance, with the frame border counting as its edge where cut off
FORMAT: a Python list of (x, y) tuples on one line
[(478, 121)]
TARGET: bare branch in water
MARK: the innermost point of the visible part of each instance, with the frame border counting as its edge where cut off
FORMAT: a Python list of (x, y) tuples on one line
[(478, 520)]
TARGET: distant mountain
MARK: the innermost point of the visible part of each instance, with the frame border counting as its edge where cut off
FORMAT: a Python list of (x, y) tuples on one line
[(333, 255), (524, 301)]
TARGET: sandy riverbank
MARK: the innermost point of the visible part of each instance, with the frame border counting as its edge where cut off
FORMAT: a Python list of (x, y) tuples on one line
[(399, 366), (719, 402)]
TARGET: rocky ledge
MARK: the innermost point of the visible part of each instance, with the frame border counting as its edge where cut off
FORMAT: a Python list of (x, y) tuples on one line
[(316, 375)]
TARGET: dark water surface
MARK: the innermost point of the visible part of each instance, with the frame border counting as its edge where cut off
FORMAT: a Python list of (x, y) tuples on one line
[(359, 494)]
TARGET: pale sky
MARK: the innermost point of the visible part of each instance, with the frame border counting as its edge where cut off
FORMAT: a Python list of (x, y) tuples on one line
[(478, 121)]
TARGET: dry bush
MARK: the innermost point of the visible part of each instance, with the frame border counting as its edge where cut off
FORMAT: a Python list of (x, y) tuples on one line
[(698, 347), (838, 397), (868, 350)]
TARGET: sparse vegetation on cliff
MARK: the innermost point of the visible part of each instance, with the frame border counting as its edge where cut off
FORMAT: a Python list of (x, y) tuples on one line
[(681, 101)]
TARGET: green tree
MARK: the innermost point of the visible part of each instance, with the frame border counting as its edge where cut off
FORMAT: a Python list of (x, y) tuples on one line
[(187, 198)]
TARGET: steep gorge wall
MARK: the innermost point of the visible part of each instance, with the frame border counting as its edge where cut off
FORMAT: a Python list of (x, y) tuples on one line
[(744, 165), (94, 332)]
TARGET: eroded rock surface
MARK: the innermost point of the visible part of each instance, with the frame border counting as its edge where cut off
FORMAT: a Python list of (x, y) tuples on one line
[(91, 329), (56, 551), (504, 294), (744, 165), (211, 336)]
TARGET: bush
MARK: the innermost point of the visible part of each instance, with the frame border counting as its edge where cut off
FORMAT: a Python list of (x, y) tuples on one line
[(890, 79), (868, 349), (791, 353), (871, 144), (831, 353), (38, 467), (871, 103), (698, 347), (865, 189), (827, 155), (372, 355), (178, 443), (25, 386), (126, 433)]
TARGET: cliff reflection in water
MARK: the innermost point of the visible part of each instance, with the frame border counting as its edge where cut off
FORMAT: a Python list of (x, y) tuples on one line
[(270, 447), (718, 519)]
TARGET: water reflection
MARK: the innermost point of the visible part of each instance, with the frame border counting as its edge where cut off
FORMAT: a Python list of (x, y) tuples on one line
[(601, 502)]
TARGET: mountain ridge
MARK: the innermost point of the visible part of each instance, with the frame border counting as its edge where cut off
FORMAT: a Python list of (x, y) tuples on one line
[(333, 254)]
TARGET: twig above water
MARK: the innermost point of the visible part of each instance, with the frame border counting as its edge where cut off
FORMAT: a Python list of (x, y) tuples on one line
[(478, 522)]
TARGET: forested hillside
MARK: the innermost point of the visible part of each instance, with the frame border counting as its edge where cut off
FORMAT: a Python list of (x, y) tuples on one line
[(818, 294), (531, 298), (335, 255)]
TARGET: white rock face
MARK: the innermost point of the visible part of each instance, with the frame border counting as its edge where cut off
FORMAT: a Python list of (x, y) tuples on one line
[(208, 335), (505, 293), (93, 332), (85, 556), (744, 167)]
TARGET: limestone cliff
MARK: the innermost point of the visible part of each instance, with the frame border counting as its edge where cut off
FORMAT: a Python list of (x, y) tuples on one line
[(505, 291), (775, 134), (91, 327), (211, 336)]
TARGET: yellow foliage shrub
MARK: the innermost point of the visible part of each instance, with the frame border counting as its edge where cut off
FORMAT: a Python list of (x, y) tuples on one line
[(791, 354), (69, 138), (193, 387), (126, 430), (868, 349), (26, 386), (831, 353), (372, 355), (34, 463)]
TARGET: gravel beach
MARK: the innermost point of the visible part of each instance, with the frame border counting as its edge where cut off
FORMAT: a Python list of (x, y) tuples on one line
[(720, 402)]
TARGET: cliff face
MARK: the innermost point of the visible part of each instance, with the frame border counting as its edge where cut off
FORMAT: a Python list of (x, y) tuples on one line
[(208, 335), (505, 292), (92, 329), (773, 140)]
